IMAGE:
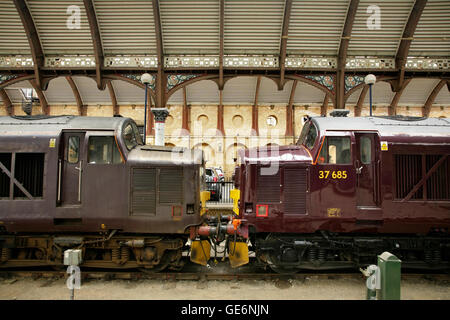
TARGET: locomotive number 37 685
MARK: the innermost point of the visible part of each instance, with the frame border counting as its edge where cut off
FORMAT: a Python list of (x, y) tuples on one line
[(324, 174)]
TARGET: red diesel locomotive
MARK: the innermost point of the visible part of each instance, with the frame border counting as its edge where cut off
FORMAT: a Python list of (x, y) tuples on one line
[(348, 190)]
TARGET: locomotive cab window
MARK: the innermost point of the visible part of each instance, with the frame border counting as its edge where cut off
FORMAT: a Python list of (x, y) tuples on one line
[(103, 150), (73, 152), (335, 150), (366, 150), (131, 136), (308, 135)]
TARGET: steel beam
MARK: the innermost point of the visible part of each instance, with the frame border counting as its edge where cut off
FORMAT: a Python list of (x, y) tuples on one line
[(221, 42), (324, 108), (427, 107), (160, 83), (220, 126), (185, 115), (290, 112), (392, 109), (96, 41), (150, 116), (112, 95), (76, 94), (33, 39), (7, 102), (255, 130), (405, 42), (284, 38), (361, 99), (342, 53), (42, 100)]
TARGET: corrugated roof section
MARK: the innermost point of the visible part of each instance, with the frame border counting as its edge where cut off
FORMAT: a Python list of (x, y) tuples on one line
[(443, 97), (54, 26), (432, 36), (14, 95), (315, 27), (59, 91), (381, 93), (89, 92), (306, 93), (417, 91), (190, 27), (202, 91), (377, 32), (13, 39), (176, 97), (240, 90), (253, 27), (126, 27), (353, 98), (268, 92), (13, 91), (128, 93)]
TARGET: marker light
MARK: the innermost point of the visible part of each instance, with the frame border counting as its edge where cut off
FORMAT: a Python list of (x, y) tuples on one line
[(262, 210)]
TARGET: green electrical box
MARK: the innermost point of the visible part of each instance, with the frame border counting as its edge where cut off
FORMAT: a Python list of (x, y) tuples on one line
[(390, 271)]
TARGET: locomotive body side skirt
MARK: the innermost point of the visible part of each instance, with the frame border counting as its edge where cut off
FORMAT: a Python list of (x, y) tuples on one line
[(286, 253), (117, 252)]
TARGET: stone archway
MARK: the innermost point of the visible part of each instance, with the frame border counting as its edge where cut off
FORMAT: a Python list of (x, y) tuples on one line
[(208, 153), (231, 155)]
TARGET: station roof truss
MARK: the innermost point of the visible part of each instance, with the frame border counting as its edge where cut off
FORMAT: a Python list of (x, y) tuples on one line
[(331, 44)]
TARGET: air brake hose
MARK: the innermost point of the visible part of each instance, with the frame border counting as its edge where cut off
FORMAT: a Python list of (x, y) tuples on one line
[(99, 240)]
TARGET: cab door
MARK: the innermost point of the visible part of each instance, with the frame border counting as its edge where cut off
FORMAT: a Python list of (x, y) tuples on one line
[(71, 163), (367, 170), (334, 176)]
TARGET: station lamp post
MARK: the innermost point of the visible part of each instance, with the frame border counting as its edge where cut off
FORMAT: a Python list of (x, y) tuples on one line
[(146, 79), (370, 79)]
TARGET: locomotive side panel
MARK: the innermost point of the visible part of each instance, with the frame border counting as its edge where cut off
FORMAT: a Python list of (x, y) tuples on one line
[(411, 204), (165, 201), (85, 180), (276, 199), (29, 174)]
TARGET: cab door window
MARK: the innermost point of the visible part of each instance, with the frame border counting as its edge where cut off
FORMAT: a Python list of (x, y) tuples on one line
[(103, 150), (365, 149), (335, 150), (73, 150)]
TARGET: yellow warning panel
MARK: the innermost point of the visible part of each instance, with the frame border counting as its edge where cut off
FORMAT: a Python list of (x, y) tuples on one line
[(235, 194), (200, 251), (204, 196), (237, 253)]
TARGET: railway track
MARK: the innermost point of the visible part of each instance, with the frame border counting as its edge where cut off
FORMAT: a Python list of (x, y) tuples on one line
[(197, 273)]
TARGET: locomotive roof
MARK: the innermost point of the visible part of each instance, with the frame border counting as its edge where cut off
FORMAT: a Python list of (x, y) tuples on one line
[(57, 123), (387, 126)]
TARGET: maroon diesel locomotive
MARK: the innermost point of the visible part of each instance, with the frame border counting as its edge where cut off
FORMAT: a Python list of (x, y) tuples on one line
[(90, 183), (348, 190)]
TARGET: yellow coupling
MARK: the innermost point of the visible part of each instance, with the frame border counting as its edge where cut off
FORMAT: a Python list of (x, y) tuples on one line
[(200, 251), (237, 253)]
